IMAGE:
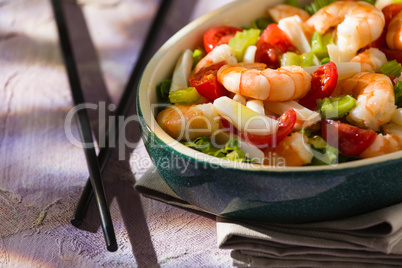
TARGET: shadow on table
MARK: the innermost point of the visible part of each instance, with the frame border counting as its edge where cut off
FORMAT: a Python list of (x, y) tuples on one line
[(95, 91), (119, 180)]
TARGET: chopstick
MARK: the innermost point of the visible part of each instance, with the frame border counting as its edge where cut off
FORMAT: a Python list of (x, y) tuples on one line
[(126, 101), (84, 127)]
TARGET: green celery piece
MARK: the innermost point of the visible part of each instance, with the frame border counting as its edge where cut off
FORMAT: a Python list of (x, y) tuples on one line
[(162, 89), (336, 107), (303, 60), (398, 94), (319, 44), (187, 95), (242, 40), (318, 142), (392, 67), (328, 155), (198, 54)]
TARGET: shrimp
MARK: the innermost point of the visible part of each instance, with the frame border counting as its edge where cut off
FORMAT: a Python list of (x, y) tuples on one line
[(255, 81), (284, 11), (222, 53), (375, 96), (370, 59), (189, 122), (293, 150), (394, 32), (389, 142), (358, 24), (383, 144)]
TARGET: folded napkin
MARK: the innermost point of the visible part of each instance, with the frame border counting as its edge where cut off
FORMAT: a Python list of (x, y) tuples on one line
[(369, 240)]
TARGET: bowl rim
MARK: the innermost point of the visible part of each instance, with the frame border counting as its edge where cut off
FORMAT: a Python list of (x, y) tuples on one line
[(151, 126)]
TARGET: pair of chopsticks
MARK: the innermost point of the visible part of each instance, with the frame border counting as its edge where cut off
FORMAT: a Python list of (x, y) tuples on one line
[(96, 164)]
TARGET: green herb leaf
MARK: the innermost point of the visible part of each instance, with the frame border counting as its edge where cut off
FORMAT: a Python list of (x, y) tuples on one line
[(230, 151), (317, 5), (398, 94), (293, 3), (162, 89)]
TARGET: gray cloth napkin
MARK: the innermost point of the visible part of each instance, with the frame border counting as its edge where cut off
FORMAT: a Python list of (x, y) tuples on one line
[(369, 240)]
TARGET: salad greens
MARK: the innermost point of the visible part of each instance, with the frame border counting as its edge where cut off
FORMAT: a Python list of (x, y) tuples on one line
[(316, 5), (230, 151), (162, 89)]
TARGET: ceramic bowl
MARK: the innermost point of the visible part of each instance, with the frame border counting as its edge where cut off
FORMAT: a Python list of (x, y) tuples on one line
[(250, 191)]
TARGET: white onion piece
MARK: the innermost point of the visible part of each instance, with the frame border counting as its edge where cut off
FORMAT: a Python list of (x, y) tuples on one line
[(292, 26), (181, 73), (345, 69), (249, 55), (240, 99), (397, 117), (305, 115), (244, 118), (256, 106)]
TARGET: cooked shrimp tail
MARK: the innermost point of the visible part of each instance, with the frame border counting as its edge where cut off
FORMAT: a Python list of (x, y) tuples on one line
[(375, 96), (370, 59), (358, 24), (189, 122), (255, 81)]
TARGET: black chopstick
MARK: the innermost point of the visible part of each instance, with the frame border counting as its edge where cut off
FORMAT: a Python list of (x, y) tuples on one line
[(84, 127), (126, 101)]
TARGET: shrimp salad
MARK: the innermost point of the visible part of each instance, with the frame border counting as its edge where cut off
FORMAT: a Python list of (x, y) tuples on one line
[(305, 85)]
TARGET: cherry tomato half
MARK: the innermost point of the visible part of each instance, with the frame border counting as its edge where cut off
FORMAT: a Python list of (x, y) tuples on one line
[(272, 43), (275, 36), (218, 35), (286, 124), (349, 140), (206, 82), (268, 54), (323, 83)]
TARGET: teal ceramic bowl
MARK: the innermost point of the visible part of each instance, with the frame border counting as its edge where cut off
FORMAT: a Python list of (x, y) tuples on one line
[(251, 191)]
